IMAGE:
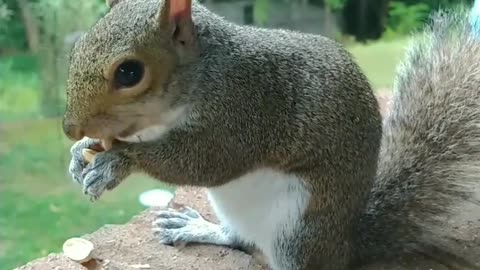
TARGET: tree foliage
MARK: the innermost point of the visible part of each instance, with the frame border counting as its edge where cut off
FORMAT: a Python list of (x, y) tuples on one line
[(12, 31), (335, 4), (405, 18)]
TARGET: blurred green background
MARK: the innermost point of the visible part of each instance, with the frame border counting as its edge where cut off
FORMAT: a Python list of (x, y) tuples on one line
[(40, 207)]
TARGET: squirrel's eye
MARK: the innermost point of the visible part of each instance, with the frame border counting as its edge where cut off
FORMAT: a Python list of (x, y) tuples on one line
[(129, 73)]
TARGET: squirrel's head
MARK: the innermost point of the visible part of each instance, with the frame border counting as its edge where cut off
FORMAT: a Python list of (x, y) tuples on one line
[(120, 69)]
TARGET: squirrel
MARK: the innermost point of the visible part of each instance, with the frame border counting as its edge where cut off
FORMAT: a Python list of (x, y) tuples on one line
[(282, 128)]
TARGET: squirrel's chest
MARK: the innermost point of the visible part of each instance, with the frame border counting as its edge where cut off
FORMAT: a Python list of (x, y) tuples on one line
[(261, 205)]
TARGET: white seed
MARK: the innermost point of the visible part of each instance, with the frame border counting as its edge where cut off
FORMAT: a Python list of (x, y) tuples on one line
[(78, 249)]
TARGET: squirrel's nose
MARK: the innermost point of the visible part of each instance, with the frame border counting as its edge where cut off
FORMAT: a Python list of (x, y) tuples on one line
[(74, 132)]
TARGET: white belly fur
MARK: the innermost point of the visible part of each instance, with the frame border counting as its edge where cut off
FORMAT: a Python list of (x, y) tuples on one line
[(258, 206), (261, 205)]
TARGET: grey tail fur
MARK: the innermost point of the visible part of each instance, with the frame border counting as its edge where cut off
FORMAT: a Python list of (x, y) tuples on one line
[(429, 161)]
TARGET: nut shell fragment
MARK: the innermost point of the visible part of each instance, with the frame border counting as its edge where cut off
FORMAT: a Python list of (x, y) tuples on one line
[(89, 154), (78, 249)]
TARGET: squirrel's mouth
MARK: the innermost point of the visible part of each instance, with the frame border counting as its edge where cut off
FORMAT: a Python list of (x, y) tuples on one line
[(129, 131), (107, 143), (134, 135), (150, 133)]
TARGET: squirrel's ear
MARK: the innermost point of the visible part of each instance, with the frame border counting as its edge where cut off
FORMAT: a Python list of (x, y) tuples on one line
[(176, 20), (111, 3)]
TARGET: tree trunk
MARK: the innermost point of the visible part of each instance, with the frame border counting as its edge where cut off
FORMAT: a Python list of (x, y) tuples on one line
[(31, 27), (365, 19), (361, 19)]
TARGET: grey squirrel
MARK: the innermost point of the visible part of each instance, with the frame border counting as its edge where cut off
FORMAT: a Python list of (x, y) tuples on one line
[(283, 129)]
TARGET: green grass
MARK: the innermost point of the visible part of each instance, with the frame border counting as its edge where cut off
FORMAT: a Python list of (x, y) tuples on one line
[(40, 206), (19, 83), (379, 60)]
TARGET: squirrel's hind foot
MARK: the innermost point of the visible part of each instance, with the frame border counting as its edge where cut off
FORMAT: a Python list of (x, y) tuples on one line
[(180, 228)]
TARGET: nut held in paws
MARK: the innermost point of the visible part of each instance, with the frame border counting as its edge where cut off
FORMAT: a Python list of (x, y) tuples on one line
[(88, 154), (78, 249)]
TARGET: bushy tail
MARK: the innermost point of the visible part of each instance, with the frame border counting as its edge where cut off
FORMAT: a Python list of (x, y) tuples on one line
[(430, 155)]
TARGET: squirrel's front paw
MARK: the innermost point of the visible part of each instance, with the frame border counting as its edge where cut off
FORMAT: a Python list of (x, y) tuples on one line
[(78, 162), (106, 171)]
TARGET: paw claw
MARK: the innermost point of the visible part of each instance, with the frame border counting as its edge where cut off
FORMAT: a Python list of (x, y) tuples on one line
[(171, 223), (77, 162), (171, 214), (163, 236), (169, 238), (191, 212), (172, 227), (103, 174)]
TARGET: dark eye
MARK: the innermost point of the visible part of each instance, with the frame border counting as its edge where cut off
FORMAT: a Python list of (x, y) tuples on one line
[(129, 73)]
